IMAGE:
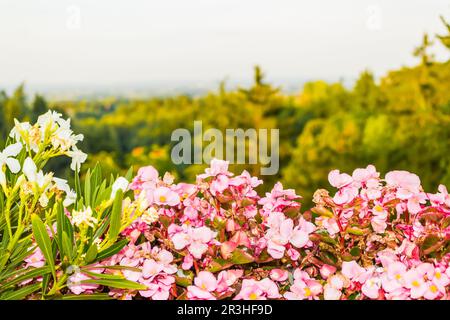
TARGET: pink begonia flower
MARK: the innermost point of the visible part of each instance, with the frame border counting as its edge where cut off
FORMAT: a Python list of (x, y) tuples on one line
[(407, 188), (219, 184), (134, 231), (241, 239), (36, 259), (371, 287), (353, 271), (188, 262), (393, 279), (379, 217), (185, 190), (339, 180), (337, 281), (278, 275), (156, 269), (278, 200), (432, 291), (414, 281), (408, 249), (369, 180), (301, 290), (405, 182), (165, 196), (258, 290), (304, 287), (205, 284), (282, 231), (293, 254), (330, 224), (245, 178), (363, 176), (146, 176), (216, 167), (327, 270), (196, 293), (440, 198), (227, 278), (205, 280), (331, 293), (344, 182), (195, 239), (75, 286), (439, 278), (158, 287), (151, 268), (415, 201)]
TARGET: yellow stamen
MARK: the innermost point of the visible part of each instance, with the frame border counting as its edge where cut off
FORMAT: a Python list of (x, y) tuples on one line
[(433, 288), (308, 292), (415, 283), (162, 199), (378, 208), (253, 296)]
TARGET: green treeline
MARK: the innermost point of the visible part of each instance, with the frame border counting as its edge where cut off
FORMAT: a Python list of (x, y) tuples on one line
[(401, 121)]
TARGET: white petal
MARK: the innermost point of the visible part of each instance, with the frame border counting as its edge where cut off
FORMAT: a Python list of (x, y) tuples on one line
[(61, 184), (2, 177), (121, 183), (29, 169), (12, 150), (71, 197), (13, 165)]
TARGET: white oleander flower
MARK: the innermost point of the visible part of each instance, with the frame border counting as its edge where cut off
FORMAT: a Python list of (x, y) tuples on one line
[(49, 121), (83, 217), (71, 195), (78, 157), (150, 216), (120, 184), (19, 128), (43, 181), (7, 158)]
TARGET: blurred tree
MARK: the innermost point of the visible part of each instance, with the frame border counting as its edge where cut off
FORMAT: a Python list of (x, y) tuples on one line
[(15, 107), (38, 107), (3, 125), (445, 39)]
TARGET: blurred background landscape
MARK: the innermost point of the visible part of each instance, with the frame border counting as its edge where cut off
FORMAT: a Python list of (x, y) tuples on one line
[(388, 112)]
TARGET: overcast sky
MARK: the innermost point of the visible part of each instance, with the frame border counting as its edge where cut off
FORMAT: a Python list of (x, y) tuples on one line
[(105, 42)]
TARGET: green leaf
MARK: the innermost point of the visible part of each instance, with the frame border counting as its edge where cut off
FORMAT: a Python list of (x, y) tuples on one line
[(93, 267), (20, 293), (129, 174), (183, 281), (45, 282), (43, 241), (117, 283), (87, 188), (116, 217), (111, 250), (104, 275), (241, 257), (91, 254), (67, 246), (28, 275), (77, 185), (94, 296), (355, 251)]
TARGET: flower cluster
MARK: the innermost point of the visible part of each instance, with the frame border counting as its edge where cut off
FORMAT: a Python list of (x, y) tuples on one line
[(373, 239), (149, 237)]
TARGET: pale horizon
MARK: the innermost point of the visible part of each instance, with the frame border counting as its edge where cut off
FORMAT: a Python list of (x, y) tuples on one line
[(111, 44)]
